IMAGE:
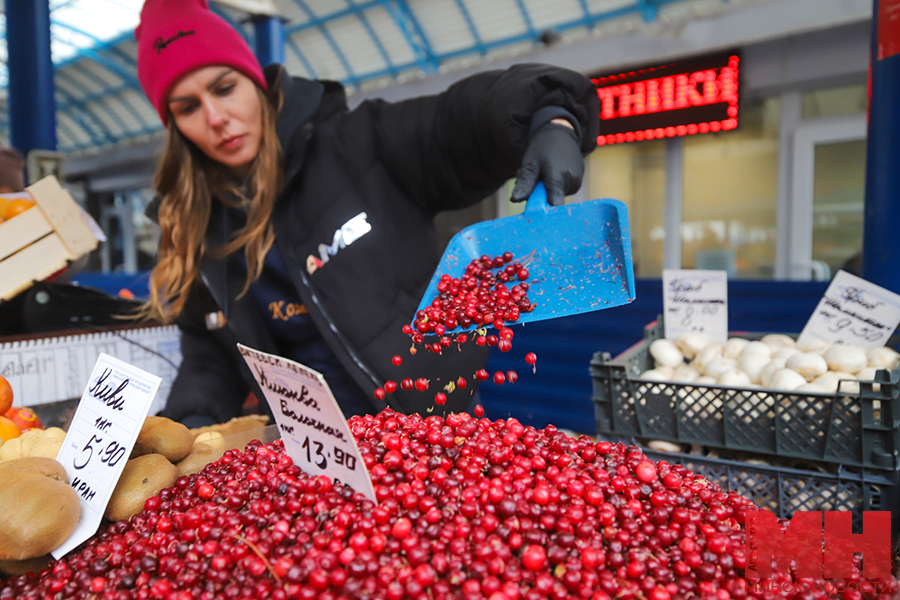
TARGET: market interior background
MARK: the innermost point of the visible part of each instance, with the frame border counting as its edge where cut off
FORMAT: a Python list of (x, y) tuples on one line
[(779, 202)]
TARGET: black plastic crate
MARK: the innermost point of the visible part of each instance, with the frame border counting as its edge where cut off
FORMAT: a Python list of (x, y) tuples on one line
[(784, 491), (860, 430)]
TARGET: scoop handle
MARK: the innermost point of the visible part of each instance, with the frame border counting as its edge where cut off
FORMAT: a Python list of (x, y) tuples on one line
[(537, 201)]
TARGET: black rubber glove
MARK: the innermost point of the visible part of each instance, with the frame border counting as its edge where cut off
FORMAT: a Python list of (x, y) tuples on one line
[(553, 156)]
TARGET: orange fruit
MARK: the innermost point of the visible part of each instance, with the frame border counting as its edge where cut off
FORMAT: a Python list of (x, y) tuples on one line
[(24, 418), (6, 395), (17, 206), (3, 203), (8, 429)]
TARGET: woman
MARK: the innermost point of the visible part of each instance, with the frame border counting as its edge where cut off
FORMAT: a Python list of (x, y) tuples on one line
[(297, 227)]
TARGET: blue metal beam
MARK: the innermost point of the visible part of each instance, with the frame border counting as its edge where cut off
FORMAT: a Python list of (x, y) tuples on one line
[(360, 14), (881, 254), (479, 45), (339, 14), (527, 17), (99, 45), (302, 57), (268, 40), (32, 106), (104, 131), (351, 76), (406, 20)]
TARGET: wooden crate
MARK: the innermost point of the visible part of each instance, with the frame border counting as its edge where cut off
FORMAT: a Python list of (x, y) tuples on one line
[(39, 242)]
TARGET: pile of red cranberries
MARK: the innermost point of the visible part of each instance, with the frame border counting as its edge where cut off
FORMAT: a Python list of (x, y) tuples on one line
[(467, 508), (481, 297)]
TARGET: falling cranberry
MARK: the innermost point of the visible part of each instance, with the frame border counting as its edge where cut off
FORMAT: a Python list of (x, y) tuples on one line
[(482, 375), (531, 358), (390, 386), (461, 382), (478, 410), (440, 398), (421, 384), (512, 376), (379, 393), (397, 359), (499, 377), (406, 384)]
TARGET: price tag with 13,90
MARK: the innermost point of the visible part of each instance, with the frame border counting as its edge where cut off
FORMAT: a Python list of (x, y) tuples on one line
[(104, 429), (695, 302), (315, 433), (854, 311)]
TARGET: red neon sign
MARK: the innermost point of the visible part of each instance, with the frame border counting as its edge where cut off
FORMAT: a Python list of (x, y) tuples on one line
[(684, 98)]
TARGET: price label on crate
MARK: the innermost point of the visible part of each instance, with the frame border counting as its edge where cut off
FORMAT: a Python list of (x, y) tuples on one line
[(315, 433), (696, 302), (104, 429), (854, 311)]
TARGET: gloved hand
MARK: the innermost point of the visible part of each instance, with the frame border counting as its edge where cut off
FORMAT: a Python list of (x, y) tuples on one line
[(553, 156)]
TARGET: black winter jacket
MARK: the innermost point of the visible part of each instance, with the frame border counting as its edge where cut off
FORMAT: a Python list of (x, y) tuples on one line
[(400, 164)]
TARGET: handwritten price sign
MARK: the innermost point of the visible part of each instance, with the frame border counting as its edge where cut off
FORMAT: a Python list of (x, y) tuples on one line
[(696, 302), (316, 435), (99, 441), (854, 311)]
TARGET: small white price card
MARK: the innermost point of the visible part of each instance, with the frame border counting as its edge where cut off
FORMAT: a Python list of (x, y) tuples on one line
[(315, 433), (104, 429), (696, 302), (854, 311)]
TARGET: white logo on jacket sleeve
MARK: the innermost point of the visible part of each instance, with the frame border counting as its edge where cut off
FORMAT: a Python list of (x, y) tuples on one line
[(349, 232)]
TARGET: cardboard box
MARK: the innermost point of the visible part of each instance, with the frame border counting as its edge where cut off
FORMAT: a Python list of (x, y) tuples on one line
[(42, 240)]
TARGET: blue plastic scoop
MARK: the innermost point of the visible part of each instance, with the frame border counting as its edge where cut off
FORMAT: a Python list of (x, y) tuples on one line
[(578, 255)]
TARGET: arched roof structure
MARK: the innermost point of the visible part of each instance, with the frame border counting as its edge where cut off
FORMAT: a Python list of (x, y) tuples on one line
[(362, 43)]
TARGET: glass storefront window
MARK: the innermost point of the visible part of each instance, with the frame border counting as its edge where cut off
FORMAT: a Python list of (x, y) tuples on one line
[(731, 194), (834, 102), (635, 174), (838, 198)]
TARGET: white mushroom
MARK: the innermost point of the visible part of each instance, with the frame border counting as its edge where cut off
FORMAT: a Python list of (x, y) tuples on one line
[(692, 343), (828, 381), (844, 357), (706, 356), (868, 374), (653, 375), (811, 344), (779, 340), (786, 379), (752, 364), (810, 388), (685, 374), (663, 446), (757, 348), (808, 364), (734, 347), (666, 371), (765, 376), (666, 353), (719, 365), (785, 353), (883, 358), (734, 378)]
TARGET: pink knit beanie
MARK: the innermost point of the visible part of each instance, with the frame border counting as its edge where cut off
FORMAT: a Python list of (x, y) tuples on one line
[(177, 36)]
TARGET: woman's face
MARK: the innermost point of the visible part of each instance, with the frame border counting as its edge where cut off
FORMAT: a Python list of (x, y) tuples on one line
[(218, 109)]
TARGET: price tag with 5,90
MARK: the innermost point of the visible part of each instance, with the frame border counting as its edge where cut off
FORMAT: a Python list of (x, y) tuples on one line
[(99, 441), (315, 433)]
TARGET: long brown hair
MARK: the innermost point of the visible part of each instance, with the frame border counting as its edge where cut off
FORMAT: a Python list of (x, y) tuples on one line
[(188, 182)]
